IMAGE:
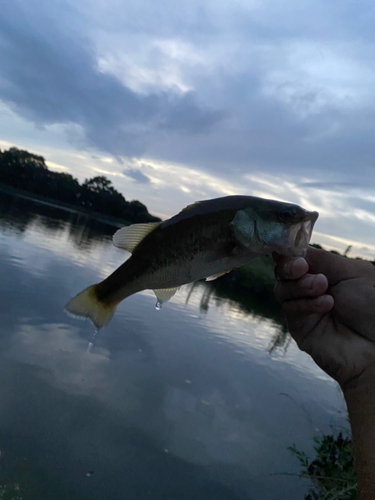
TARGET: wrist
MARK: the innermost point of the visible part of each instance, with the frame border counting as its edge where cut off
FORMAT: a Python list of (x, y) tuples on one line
[(361, 384), (360, 399)]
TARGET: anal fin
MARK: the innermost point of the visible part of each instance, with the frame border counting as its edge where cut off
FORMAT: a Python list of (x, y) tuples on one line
[(164, 294)]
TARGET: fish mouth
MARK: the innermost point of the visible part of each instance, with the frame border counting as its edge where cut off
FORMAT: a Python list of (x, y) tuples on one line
[(300, 234)]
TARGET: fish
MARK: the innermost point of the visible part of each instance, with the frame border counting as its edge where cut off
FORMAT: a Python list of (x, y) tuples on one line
[(204, 241)]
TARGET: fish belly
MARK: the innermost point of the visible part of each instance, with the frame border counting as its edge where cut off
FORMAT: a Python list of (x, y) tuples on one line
[(200, 267)]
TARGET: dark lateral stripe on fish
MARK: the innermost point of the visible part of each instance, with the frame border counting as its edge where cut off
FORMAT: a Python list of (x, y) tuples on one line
[(215, 205)]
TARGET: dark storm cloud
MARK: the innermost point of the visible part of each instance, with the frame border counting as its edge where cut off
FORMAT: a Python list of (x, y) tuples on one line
[(272, 137), (204, 21), (49, 75), (137, 176), (308, 123)]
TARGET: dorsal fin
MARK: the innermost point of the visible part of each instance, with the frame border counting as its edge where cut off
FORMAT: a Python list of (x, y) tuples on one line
[(192, 205), (130, 236)]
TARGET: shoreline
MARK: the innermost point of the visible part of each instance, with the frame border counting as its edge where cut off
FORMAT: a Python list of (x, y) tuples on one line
[(44, 200)]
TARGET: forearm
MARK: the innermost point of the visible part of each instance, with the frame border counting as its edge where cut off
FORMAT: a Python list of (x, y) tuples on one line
[(360, 400)]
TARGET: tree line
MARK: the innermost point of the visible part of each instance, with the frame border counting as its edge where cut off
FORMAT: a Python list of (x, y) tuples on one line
[(23, 170)]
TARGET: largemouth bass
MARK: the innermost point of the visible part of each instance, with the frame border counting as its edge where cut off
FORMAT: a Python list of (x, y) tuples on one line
[(205, 240)]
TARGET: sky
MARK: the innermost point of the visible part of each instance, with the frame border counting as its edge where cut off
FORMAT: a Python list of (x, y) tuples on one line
[(182, 101)]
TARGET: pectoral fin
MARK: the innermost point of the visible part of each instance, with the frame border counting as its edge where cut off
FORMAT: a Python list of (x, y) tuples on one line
[(130, 236), (215, 276), (164, 294)]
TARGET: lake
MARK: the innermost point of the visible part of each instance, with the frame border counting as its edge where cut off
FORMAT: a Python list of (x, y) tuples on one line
[(185, 403)]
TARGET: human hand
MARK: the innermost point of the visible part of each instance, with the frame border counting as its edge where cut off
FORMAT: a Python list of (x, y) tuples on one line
[(329, 303)]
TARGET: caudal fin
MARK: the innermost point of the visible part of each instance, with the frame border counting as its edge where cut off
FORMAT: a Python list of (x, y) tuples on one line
[(87, 305)]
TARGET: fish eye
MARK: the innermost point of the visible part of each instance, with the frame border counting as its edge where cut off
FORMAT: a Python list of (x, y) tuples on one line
[(287, 214)]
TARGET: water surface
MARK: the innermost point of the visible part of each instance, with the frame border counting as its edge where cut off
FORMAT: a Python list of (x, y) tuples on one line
[(183, 403)]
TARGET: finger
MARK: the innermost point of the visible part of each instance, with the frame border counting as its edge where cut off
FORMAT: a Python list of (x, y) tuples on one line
[(336, 267), (356, 298), (304, 307), (310, 285), (291, 268), (304, 315)]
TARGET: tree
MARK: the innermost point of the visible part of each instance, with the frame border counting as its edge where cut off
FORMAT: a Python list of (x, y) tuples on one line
[(99, 184), (99, 194), (27, 171)]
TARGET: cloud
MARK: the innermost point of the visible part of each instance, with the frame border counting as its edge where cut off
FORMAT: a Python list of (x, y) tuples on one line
[(218, 95), (226, 88), (50, 75), (137, 176), (333, 185)]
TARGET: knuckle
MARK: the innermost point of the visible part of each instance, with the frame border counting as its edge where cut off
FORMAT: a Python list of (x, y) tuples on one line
[(368, 268)]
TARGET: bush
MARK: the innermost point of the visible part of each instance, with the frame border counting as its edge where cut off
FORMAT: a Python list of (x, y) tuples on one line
[(332, 471)]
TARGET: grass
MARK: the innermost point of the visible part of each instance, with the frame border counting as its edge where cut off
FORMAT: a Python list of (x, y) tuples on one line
[(332, 470)]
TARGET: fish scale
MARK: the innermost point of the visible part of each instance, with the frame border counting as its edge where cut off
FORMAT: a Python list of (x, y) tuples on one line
[(205, 240)]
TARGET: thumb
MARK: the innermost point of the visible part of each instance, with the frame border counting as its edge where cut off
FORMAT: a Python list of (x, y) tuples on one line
[(335, 267)]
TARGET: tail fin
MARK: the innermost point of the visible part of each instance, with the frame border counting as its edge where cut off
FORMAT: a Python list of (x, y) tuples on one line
[(87, 305)]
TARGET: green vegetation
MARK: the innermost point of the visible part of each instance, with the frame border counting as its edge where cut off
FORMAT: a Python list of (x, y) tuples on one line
[(251, 287), (332, 471), (258, 276), (28, 172), (9, 492)]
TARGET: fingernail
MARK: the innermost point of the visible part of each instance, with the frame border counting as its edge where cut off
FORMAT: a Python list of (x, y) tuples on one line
[(323, 300), (292, 268)]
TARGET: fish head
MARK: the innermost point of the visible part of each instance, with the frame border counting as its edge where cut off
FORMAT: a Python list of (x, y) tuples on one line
[(298, 225), (270, 225)]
